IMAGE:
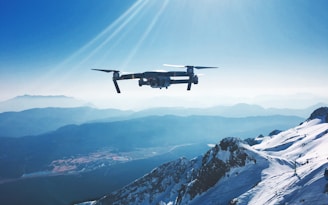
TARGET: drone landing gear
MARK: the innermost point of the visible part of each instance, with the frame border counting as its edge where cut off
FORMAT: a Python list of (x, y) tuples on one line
[(192, 79), (116, 76), (116, 86)]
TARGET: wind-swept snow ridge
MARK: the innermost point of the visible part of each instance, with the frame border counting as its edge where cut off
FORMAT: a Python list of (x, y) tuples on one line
[(306, 148), (284, 168)]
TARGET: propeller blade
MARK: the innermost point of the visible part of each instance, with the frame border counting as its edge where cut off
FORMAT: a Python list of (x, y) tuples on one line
[(176, 66), (204, 67), (189, 66), (105, 70)]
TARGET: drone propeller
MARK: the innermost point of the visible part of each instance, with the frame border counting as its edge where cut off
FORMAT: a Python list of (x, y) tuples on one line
[(176, 66), (203, 67), (116, 77), (190, 71), (189, 66), (105, 70)]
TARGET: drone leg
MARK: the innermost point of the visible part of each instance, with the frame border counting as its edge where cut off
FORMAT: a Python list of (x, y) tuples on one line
[(189, 86), (189, 83), (116, 86)]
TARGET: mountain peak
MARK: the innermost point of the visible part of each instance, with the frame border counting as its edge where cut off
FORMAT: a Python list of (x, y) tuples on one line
[(183, 180), (320, 113)]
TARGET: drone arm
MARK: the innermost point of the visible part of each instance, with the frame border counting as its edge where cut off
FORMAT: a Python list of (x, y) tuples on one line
[(182, 82), (131, 76), (178, 81)]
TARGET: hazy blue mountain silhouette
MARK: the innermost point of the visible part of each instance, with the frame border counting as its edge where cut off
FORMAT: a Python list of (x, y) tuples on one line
[(26, 102), (33, 153), (39, 120), (237, 110)]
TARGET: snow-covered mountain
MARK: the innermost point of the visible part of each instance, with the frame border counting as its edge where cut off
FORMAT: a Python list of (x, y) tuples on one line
[(284, 168)]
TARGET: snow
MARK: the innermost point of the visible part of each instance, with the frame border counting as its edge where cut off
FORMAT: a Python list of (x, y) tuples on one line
[(298, 158), (286, 168), (88, 203)]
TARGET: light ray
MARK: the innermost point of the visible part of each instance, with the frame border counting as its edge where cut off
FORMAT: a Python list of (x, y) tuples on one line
[(109, 32), (127, 14), (145, 34), (116, 31)]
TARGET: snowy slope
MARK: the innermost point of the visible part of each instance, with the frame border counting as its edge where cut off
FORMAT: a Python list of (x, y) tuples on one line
[(286, 168), (306, 148)]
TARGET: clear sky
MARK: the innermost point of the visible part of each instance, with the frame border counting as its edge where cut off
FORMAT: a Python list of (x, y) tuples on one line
[(272, 53)]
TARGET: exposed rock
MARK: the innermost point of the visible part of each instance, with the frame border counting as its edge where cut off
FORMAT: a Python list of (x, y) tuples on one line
[(320, 113)]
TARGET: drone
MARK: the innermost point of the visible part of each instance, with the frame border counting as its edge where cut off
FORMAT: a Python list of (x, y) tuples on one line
[(159, 79)]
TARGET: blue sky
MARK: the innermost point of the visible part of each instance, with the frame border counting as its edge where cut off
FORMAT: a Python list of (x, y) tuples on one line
[(272, 53)]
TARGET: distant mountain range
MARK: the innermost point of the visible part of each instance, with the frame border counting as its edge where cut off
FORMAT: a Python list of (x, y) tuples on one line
[(237, 110), (33, 153), (25, 102), (58, 111), (287, 168), (41, 120)]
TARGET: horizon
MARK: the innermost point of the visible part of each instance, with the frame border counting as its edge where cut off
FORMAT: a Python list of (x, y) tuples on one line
[(271, 54), (71, 102)]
